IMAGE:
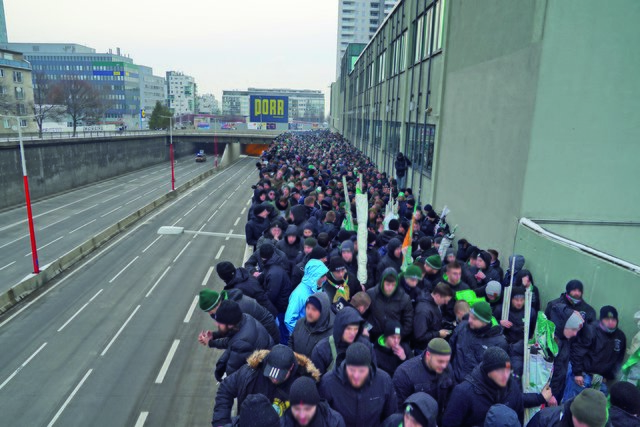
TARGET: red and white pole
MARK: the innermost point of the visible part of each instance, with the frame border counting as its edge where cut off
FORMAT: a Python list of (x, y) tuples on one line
[(173, 175), (32, 234)]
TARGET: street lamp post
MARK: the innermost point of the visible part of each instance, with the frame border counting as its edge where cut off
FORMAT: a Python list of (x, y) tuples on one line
[(173, 176)]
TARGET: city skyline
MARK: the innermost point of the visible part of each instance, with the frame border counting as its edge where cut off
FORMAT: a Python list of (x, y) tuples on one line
[(296, 50)]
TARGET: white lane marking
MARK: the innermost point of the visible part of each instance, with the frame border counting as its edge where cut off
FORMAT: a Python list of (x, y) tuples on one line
[(113, 245), (13, 241), (57, 222), (248, 251), (249, 202), (134, 179), (205, 198), (142, 419), (8, 265), (125, 267), (44, 246), (86, 209), (176, 222), (133, 200), (183, 249), (189, 211), (187, 318), (111, 211), (167, 362), (243, 210), (157, 281), (111, 198), (207, 276), (79, 311), (151, 244), (214, 214), (237, 221), (222, 204), (230, 233), (71, 396), (219, 252), (149, 192), (119, 331), (21, 367), (76, 229)]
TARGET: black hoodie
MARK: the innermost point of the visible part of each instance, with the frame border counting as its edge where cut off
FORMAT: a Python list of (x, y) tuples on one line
[(389, 260), (306, 336)]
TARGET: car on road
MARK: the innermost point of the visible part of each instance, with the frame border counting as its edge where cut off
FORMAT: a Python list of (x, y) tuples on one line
[(201, 157)]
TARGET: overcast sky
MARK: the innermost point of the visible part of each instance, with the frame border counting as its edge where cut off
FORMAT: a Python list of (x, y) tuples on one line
[(224, 44)]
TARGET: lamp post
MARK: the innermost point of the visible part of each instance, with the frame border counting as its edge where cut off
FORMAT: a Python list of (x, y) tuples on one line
[(173, 176), (25, 179)]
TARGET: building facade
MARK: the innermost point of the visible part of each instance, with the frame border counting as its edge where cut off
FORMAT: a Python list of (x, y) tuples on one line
[(208, 104), (3, 24), (358, 21), (16, 93), (181, 93), (510, 121), (153, 89), (304, 105), (235, 103)]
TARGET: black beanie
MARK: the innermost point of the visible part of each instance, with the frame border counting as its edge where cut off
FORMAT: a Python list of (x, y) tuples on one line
[(226, 271), (371, 237), (517, 291), (257, 411), (336, 263), (266, 251), (574, 284), (495, 358), (486, 257), (323, 239), (394, 224), (303, 391), (261, 208), (391, 327), (314, 301), (626, 396), (608, 312), (318, 253), (358, 355), (228, 313), (343, 235)]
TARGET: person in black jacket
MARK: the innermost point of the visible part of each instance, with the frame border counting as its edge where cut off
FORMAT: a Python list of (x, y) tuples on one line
[(238, 334), (625, 405), (331, 350), (291, 245), (417, 410), (360, 392), (513, 327), (411, 282), (588, 409), (452, 277), (388, 301), (307, 409), (573, 299), (490, 383), (401, 165), (597, 351), (239, 278), (392, 259), (390, 351), (427, 318), (258, 224), (485, 273), (568, 323), (429, 372), (267, 372), (472, 338), (316, 325), (341, 284), (524, 278)]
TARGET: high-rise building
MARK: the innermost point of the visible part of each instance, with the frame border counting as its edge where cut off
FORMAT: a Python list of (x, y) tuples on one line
[(16, 92), (181, 93), (153, 89), (208, 104), (304, 105), (358, 21), (3, 24)]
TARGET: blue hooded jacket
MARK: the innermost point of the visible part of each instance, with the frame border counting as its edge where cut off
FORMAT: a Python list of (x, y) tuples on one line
[(313, 271)]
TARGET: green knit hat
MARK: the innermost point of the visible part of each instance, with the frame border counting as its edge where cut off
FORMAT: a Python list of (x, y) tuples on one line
[(209, 299), (439, 346), (590, 407), (434, 262), (413, 272), (482, 310)]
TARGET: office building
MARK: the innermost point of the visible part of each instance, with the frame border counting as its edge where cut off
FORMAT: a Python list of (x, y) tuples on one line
[(208, 104), (181, 93), (304, 105), (16, 92), (358, 21), (153, 89), (235, 103)]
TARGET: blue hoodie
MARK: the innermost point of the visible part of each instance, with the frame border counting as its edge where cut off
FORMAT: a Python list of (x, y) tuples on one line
[(313, 271)]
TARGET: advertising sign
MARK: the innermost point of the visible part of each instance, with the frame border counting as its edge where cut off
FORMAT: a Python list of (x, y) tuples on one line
[(269, 108)]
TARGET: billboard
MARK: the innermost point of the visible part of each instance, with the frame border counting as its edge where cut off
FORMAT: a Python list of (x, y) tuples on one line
[(269, 108)]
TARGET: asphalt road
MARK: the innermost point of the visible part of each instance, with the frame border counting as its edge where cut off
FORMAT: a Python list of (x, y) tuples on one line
[(113, 342), (67, 220)]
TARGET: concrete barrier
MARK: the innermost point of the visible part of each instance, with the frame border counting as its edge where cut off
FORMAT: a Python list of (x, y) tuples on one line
[(23, 289)]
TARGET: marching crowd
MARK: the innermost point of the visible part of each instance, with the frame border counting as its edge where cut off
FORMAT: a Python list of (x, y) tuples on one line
[(308, 342)]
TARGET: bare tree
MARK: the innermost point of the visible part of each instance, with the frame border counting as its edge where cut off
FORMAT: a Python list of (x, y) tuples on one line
[(81, 99), (43, 105)]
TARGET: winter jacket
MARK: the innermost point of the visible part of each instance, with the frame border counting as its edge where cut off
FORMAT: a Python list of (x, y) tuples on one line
[(251, 380), (291, 251), (276, 280), (254, 228), (516, 332), (414, 376), (557, 416), (251, 336), (597, 351), (402, 164), (448, 312), (535, 297), (559, 316), (254, 263), (519, 265), (427, 321), (389, 260), (251, 287), (468, 275), (331, 286), (324, 417), (502, 416), (385, 237), (396, 307), (373, 259), (386, 358), (321, 354), (313, 271), (425, 404), (368, 406), (305, 336), (586, 311), (471, 400), (620, 418), (252, 308), (468, 346)]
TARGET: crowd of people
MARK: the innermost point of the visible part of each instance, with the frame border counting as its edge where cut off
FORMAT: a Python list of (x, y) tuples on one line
[(308, 341)]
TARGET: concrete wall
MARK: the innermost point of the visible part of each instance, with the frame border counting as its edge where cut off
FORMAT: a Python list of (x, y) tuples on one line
[(553, 264)]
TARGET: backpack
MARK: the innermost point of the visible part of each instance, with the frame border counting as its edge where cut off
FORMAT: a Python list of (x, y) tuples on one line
[(334, 353)]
